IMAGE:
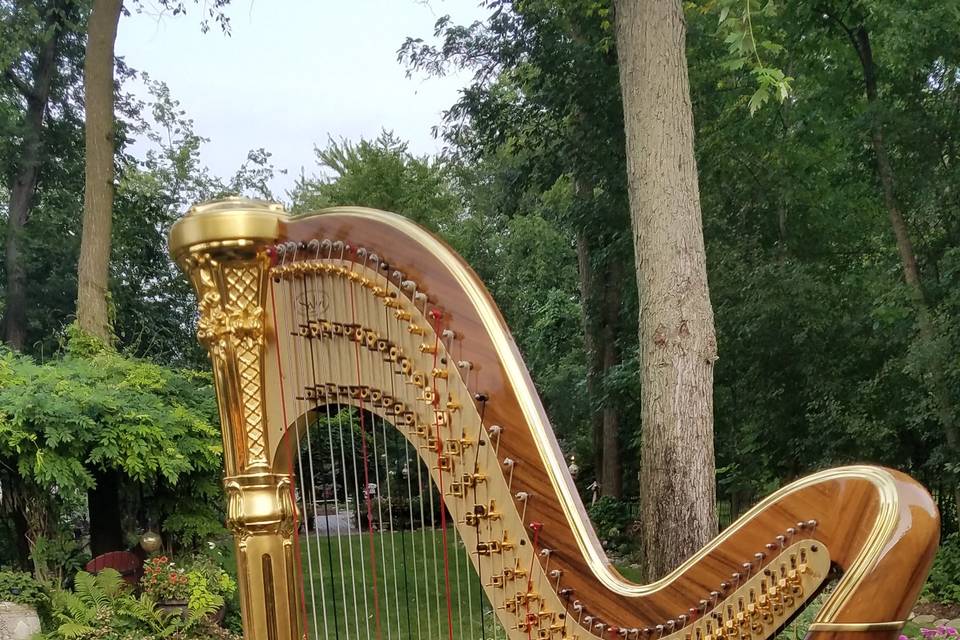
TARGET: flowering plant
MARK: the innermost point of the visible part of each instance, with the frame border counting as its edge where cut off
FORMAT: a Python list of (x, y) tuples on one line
[(164, 581), (937, 633)]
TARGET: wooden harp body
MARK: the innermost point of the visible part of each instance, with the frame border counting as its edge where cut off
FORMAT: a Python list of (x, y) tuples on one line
[(356, 307)]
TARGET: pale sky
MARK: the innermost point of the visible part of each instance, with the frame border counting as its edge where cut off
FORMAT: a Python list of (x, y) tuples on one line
[(294, 72)]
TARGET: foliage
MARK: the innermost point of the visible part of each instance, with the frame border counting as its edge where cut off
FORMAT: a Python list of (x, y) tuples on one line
[(21, 588), (612, 519), (381, 174), (102, 608), (209, 585), (163, 580), (89, 410), (943, 585)]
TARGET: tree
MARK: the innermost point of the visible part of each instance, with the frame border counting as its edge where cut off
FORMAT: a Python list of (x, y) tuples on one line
[(382, 174), (93, 269), (91, 414), (544, 108), (93, 285), (32, 66), (677, 340)]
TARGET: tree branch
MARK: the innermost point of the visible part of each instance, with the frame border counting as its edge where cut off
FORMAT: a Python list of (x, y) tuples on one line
[(22, 87)]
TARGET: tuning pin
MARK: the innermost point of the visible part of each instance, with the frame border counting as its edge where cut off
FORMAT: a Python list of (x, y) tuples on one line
[(545, 553), (465, 364), (419, 296), (326, 244), (448, 334), (508, 463), (811, 524), (791, 532), (361, 252), (555, 573), (577, 605), (374, 258), (522, 496), (408, 285), (338, 245), (495, 432)]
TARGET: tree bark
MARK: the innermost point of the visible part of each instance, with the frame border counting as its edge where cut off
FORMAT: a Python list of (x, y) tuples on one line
[(37, 96), (677, 339), (591, 352), (600, 299), (611, 479), (93, 269)]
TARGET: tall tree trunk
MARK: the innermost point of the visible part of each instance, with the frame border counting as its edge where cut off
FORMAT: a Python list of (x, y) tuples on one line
[(611, 479), (937, 366), (103, 504), (589, 323), (93, 269), (677, 339), (37, 96), (600, 297)]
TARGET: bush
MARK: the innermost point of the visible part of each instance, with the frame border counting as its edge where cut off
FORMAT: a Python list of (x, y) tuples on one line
[(612, 519), (102, 608), (943, 585), (21, 588)]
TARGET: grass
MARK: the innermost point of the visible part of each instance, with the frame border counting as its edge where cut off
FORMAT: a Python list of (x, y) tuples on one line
[(410, 600), (411, 589)]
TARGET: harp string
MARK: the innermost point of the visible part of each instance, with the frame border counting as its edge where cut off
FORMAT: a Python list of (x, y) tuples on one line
[(440, 449), (319, 366), (286, 332), (286, 426), (329, 347), (341, 360), (390, 500), (394, 322), (385, 534), (312, 345), (366, 467), (310, 304)]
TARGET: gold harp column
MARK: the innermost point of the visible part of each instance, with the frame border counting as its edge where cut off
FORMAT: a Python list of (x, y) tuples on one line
[(222, 247)]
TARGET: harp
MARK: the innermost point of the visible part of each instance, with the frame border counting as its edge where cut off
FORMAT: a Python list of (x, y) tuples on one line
[(391, 473)]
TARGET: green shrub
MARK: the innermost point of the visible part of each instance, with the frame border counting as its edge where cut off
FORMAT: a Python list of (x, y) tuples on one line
[(943, 585), (21, 588), (612, 519), (102, 608)]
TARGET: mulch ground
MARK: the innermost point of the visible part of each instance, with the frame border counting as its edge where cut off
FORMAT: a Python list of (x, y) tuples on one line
[(939, 611)]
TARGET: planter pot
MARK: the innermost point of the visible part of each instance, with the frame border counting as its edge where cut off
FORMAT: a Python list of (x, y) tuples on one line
[(174, 607), (217, 617), (18, 621)]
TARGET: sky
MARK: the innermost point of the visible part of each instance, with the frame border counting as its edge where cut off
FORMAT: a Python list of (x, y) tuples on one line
[(293, 73)]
